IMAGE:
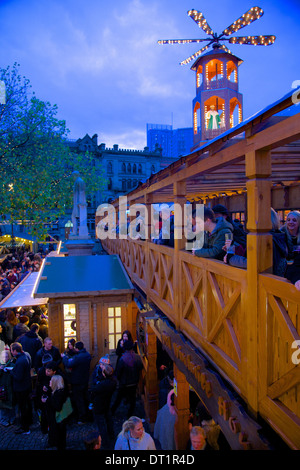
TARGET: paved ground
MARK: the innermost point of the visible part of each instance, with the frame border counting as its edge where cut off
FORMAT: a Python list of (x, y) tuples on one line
[(75, 433)]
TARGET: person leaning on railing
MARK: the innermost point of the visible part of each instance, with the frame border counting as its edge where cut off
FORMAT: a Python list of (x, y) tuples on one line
[(280, 250), (214, 236)]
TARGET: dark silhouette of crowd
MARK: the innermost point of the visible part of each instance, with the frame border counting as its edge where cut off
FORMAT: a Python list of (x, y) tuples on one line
[(15, 267)]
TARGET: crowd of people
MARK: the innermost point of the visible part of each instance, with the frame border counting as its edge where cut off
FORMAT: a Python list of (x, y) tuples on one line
[(15, 267), (226, 239), (35, 377)]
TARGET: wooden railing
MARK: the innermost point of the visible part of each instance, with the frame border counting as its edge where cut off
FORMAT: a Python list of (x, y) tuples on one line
[(245, 321), (210, 308)]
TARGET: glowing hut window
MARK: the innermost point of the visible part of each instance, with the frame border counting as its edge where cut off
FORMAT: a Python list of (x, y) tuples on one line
[(69, 326), (114, 326)]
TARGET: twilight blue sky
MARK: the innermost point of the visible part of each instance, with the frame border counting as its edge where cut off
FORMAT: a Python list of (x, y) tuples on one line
[(99, 61)]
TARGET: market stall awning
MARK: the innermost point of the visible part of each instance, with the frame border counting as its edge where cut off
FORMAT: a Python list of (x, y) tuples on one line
[(79, 276), (21, 296)]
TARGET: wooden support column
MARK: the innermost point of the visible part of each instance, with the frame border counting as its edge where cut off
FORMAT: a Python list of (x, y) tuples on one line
[(151, 382), (148, 198), (259, 258), (179, 192), (182, 405)]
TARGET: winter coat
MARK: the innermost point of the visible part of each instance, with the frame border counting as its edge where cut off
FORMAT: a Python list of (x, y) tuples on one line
[(6, 382), (80, 367), (54, 352), (21, 373), (31, 343), (293, 270), (129, 368), (280, 253), (164, 428), (19, 330), (101, 393), (126, 442), (214, 241)]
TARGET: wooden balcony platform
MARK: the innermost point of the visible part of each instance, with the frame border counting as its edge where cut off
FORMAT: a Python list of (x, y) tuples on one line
[(245, 321)]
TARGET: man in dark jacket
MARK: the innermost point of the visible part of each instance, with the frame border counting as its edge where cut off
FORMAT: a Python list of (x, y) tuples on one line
[(101, 394), (239, 235), (214, 236), (79, 378), (22, 386), (128, 372), (48, 348), (31, 341)]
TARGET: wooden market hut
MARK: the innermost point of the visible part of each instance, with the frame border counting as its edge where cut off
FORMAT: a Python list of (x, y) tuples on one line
[(90, 298), (230, 332)]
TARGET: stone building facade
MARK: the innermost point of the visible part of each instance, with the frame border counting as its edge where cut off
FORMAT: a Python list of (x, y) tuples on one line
[(123, 169)]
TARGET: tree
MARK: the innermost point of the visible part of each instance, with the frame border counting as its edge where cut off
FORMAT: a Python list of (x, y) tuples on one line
[(35, 161)]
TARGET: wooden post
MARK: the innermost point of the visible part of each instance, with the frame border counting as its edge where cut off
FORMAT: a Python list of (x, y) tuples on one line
[(182, 405), (148, 204), (259, 257), (179, 192), (151, 383)]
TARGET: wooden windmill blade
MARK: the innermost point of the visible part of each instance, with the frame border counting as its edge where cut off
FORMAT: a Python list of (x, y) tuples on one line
[(251, 15), (224, 48), (198, 17), (253, 40), (195, 55), (181, 41)]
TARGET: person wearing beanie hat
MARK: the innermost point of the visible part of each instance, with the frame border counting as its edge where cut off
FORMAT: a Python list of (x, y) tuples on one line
[(104, 360), (220, 210)]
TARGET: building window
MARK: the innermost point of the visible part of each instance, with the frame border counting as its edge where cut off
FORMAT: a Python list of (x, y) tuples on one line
[(109, 167), (69, 319), (140, 169), (129, 184), (114, 326), (128, 168), (123, 185), (134, 168), (123, 168)]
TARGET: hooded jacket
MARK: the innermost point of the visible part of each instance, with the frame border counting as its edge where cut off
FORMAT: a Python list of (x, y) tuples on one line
[(214, 241), (129, 368), (31, 343), (21, 373), (80, 367), (102, 392)]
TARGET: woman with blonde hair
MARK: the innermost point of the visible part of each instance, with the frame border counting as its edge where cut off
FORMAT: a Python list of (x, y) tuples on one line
[(134, 437), (292, 230), (55, 400)]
